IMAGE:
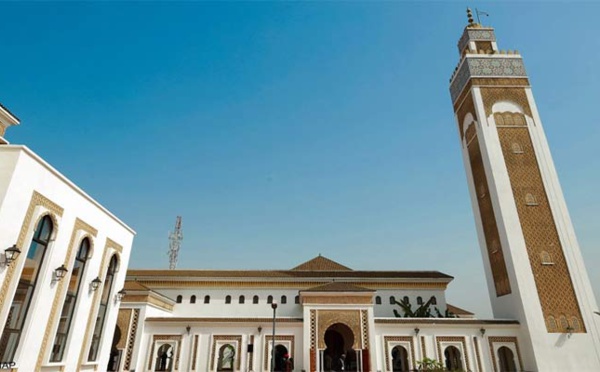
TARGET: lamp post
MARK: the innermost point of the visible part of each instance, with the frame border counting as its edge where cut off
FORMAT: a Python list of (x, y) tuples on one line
[(274, 307)]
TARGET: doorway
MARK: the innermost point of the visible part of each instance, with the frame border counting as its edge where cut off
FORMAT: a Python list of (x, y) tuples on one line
[(339, 354)]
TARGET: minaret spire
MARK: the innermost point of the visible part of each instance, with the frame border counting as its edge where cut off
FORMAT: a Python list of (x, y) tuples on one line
[(470, 17), (534, 268)]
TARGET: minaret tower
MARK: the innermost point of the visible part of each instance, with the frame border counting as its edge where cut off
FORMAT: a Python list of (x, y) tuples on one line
[(534, 268)]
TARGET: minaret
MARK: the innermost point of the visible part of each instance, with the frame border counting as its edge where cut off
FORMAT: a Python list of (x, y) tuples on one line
[(534, 268)]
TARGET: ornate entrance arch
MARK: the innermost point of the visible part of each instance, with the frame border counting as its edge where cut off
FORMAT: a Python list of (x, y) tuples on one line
[(339, 342)]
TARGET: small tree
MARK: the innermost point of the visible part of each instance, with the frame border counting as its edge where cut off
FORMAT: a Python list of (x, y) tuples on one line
[(423, 311), (430, 365)]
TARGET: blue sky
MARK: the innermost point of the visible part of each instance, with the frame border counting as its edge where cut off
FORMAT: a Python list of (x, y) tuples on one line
[(283, 130)]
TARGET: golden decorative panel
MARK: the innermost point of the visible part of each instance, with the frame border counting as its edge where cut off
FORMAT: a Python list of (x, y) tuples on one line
[(238, 350), (461, 339), (269, 340), (490, 82), (62, 287), (351, 318), (123, 320), (386, 342), (423, 348), (151, 283), (37, 200), (510, 340), (313, 329), (465, 108), (132, 335), (488, 221), (365, 328), (484, 46), (176, 338), (516, 95), (553, 282), (352, 300)]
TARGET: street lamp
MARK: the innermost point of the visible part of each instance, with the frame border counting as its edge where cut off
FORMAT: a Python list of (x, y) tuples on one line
[(274, 307), (11, 254)]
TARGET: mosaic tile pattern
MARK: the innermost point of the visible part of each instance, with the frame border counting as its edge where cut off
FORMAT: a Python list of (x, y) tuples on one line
[(486, 66), (475, 34)]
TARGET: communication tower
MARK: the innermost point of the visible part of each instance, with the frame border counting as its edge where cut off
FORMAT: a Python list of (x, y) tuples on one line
[(175, 239)]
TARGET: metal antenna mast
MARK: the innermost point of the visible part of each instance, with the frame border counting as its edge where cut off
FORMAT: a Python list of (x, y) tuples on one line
[(175, 239)]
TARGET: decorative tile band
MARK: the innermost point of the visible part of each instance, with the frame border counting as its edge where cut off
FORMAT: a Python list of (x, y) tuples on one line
[(475, 34), (486, 66)]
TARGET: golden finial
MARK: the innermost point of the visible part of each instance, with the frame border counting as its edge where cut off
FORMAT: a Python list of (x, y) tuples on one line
[(470, 16)]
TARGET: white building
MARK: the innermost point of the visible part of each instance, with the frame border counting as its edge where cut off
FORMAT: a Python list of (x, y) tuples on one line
[(207, 320), (63, 260), (219, 320)]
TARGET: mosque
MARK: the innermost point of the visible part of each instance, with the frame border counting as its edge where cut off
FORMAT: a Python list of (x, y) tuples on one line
[(68, 302)]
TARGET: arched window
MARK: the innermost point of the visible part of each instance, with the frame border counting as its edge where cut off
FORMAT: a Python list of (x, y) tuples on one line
[(399, 359), (433, 300), (27, 283), (506, 359), (405, 299), (179, 299), (516, 148), (255, 299), (392, 300), (377, 300), (270, 299), (545, 258), (297, 299), (164, 358), (419, 300), (530, 200), (68, 309), (193, 299), (226, 358), (207, 299), (103, 309), (453, 359), (228, 299), (283, 299), (242, 299), (280, 358)]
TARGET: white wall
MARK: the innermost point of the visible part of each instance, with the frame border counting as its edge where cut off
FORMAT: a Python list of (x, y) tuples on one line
[(22, 173)]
